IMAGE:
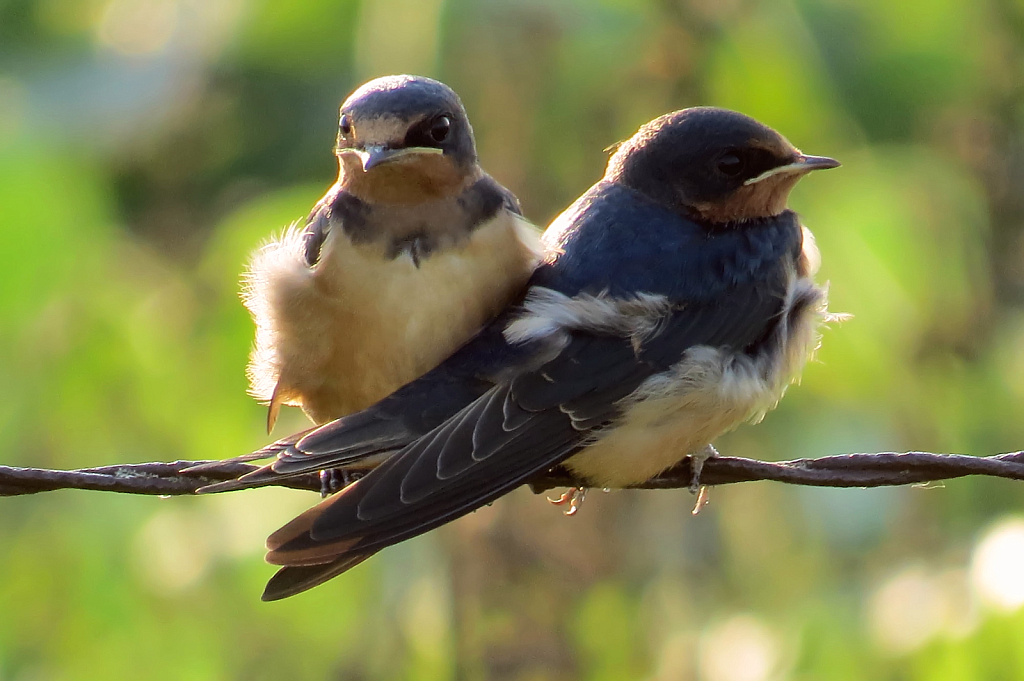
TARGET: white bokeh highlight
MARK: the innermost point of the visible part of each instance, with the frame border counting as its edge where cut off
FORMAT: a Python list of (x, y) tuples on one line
[(918, 604), (741, 648), (997, 566)]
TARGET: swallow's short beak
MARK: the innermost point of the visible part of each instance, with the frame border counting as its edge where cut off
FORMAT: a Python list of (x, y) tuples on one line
[(377, 154), (808, 163), (802, 164)]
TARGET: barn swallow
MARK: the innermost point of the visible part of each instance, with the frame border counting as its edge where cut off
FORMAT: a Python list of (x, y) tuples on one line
[(675, 302), (407, 255)]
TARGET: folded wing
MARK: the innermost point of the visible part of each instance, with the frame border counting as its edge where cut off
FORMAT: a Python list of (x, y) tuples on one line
[(519, 426)]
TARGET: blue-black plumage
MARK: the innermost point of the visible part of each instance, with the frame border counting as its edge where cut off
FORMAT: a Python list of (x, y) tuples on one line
[(676, 301)]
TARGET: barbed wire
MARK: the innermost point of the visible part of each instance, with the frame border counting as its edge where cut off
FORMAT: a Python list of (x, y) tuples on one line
[(878, 469)]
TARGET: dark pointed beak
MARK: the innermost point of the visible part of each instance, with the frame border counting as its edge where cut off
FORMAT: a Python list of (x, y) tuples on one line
[(375, 155), (802, 164), (808, 163)]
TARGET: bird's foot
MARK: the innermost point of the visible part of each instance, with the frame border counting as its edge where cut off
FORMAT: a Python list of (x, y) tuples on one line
[(574, 497), (696, 467), (333, 480)]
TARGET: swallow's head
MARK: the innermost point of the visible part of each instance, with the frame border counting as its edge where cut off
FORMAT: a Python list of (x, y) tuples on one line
[(713, 164), (405, 133)]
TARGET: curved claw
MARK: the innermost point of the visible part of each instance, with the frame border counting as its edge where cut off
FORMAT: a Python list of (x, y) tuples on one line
[(703, 497), (574, 496)]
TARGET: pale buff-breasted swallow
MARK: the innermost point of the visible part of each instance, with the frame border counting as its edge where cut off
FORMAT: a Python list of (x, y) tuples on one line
[(405, 257)]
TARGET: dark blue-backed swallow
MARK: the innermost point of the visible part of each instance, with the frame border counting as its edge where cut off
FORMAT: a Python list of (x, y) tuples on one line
[(676, 302), (409, 253)]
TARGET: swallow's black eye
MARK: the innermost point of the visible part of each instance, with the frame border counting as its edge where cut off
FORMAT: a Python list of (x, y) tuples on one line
[(346, 125), (730, 164), (439, 128)]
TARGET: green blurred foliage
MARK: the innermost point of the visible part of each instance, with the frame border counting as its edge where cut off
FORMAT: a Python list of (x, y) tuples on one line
[(148, 146)]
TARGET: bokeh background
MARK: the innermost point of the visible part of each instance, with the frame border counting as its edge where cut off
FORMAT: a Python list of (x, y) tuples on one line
[(147, 146)]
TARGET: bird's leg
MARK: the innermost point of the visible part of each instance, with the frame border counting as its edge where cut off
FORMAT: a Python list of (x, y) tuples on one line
[(574, 496), (330, 482), (697, 465), (333, 480)]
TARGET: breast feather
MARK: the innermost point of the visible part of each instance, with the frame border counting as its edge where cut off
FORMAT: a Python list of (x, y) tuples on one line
[(709, 392), (337, 338)]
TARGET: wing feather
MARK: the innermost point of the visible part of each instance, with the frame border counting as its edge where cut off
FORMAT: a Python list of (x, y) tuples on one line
[(519, 427), (495, 414)]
